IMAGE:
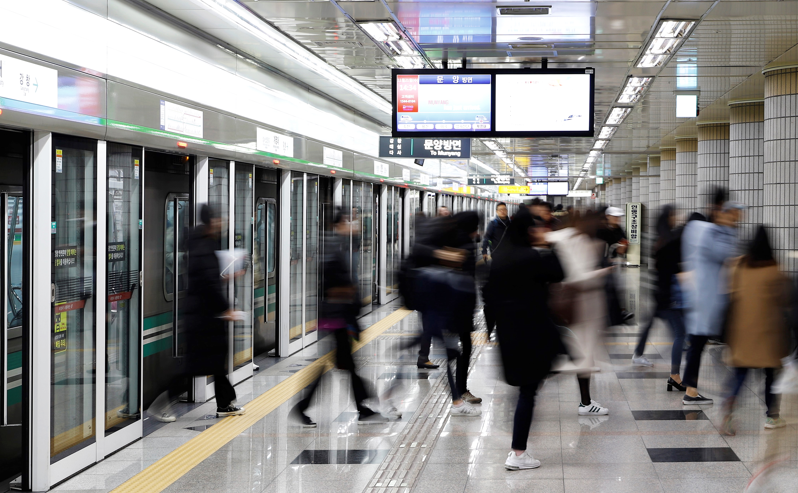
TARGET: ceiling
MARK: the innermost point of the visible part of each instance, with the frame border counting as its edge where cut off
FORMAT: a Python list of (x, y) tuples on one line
[(729, 47)]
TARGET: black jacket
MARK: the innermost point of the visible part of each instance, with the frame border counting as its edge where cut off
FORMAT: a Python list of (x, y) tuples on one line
[(336, 273), (528, 339), (206, 299), (667, 259), (494, 234)]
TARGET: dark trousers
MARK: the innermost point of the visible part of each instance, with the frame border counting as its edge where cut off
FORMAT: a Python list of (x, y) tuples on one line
[(423, 351), (522, 420), (433, 323), (697, 343), (614, 309), (771, 400), (344, 361), (225, 393), (675, 320), (463, 361)]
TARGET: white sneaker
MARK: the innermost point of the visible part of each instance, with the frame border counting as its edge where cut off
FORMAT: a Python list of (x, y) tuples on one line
[(164, 417), (465, 409), (391, 412), (518, 462), (593, 409), (593, 421), (641, 361)]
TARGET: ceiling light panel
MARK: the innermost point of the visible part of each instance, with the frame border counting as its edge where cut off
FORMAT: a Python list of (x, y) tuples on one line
[(600, 144), (388, 34), (670, 36), (607, 132), (617, 115), (634, 89)]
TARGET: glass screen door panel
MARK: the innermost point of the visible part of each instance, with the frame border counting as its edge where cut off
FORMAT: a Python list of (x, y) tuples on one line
[(219, 196), (397, 238), (177, 226), (123, 297), (264, 260), (312, 255), (389, 235), (367, 249), (297, 256), (73, 307), (243, 283)]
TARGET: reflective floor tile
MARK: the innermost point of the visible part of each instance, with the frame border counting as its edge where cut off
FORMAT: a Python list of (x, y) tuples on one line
[(696, 454), (670, 415), (525, 485), (643, 374), (340, 457), (635, 485), (628, 356)]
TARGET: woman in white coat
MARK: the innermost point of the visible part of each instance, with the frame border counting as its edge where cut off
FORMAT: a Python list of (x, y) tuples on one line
[(580, 254)]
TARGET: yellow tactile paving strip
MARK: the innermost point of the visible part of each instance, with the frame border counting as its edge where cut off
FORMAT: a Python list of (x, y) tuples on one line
[(169, 469)]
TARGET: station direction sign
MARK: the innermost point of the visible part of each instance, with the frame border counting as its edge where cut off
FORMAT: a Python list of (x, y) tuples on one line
[(491, 180), (431, 148), (514, 189)]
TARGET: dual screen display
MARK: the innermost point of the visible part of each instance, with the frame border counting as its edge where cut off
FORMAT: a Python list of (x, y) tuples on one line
[(470, 103)]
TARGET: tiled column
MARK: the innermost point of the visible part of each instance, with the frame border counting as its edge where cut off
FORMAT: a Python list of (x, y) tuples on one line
[(781, 161), (652, 211), (747, 161), (667, 175), (713, 161), (643, 199), (635, 185), (686, 162)]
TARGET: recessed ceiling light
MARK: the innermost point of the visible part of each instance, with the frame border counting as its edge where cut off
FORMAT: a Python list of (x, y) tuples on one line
[(670, 36), (617, 115), (634, 89)]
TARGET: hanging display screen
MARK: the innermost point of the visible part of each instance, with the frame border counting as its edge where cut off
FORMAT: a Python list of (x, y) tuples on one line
[(493, 103), (443, 103)]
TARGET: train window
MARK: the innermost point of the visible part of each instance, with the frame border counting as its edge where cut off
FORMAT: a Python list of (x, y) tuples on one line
[(271, 248)]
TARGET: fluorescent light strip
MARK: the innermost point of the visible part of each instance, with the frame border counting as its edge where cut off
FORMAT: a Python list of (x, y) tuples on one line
[(245, 19), (388, 34), (600, 144), (483, 166), (607, 132), (634, 89), (670, 36), (617, 115)]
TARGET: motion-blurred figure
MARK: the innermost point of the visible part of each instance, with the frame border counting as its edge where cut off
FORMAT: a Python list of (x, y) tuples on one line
[(529, 340), (580, 253), (338, 315), (715, 243), (616, 242), (757, 334), (668, 295)]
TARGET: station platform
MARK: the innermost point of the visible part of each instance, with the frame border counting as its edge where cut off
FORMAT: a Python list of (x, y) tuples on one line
[(649, 442)]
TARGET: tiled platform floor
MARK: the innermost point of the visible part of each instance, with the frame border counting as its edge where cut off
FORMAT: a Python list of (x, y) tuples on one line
[(650, 442)]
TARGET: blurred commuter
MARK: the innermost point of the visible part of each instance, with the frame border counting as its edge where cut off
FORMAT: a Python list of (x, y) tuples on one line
[(613, 235), (444, 211), (463, 315), (528, 339), (668, 295), (494, 235), (338, 312), (444, 293), (757, 334), (546, 213), (715, 243), (581, 252)]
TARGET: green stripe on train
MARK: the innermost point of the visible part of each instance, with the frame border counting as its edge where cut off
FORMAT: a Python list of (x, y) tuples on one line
[(14, 360), (158, 346), (259, 292), (15, 395), (157, 320)]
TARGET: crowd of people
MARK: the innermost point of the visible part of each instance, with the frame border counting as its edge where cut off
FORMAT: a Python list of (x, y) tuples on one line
[(552, 287), (550, 283)]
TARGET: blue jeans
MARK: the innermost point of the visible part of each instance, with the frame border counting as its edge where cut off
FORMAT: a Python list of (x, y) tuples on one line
[(675, 319), (736, 383)]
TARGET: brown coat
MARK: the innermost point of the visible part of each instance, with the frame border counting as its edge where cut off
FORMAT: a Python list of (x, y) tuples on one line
[(757, 336)]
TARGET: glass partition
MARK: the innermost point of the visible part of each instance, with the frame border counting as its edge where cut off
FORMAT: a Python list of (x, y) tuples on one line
[(389, 241), (243, 283), (297, 255), (72, 393), (312, 255), (123, 303)]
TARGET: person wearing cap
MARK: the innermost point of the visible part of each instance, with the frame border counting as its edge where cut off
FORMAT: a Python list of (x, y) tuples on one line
[(616, 244), (715, 243)]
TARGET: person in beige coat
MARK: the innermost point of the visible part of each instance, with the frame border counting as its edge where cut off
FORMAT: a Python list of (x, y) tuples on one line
[(757, 333), (580, 253)]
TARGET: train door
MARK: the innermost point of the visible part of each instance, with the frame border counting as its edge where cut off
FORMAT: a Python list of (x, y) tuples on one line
[(376, 276), (13, 164), (363, 244), (264, 262), (167, 221)]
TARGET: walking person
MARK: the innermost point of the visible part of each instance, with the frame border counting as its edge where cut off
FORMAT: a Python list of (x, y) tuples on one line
[(338, 316), (207, 311), (529, 344), (757, 334), (496, 231), (463, 315), (580, 252), (715, 243), (668, 295)]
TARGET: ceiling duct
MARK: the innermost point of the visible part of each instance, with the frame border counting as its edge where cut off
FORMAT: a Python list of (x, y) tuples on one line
[(524, 10)]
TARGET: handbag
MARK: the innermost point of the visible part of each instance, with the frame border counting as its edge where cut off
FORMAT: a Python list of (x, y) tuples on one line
[(727, 313)]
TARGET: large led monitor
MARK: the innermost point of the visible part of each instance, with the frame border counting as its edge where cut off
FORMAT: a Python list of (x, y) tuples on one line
[(493, 103), (558, 188)]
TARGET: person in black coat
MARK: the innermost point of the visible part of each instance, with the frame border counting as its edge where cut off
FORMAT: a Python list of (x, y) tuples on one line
[(668, 296), (528, 339), (207, 311)]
